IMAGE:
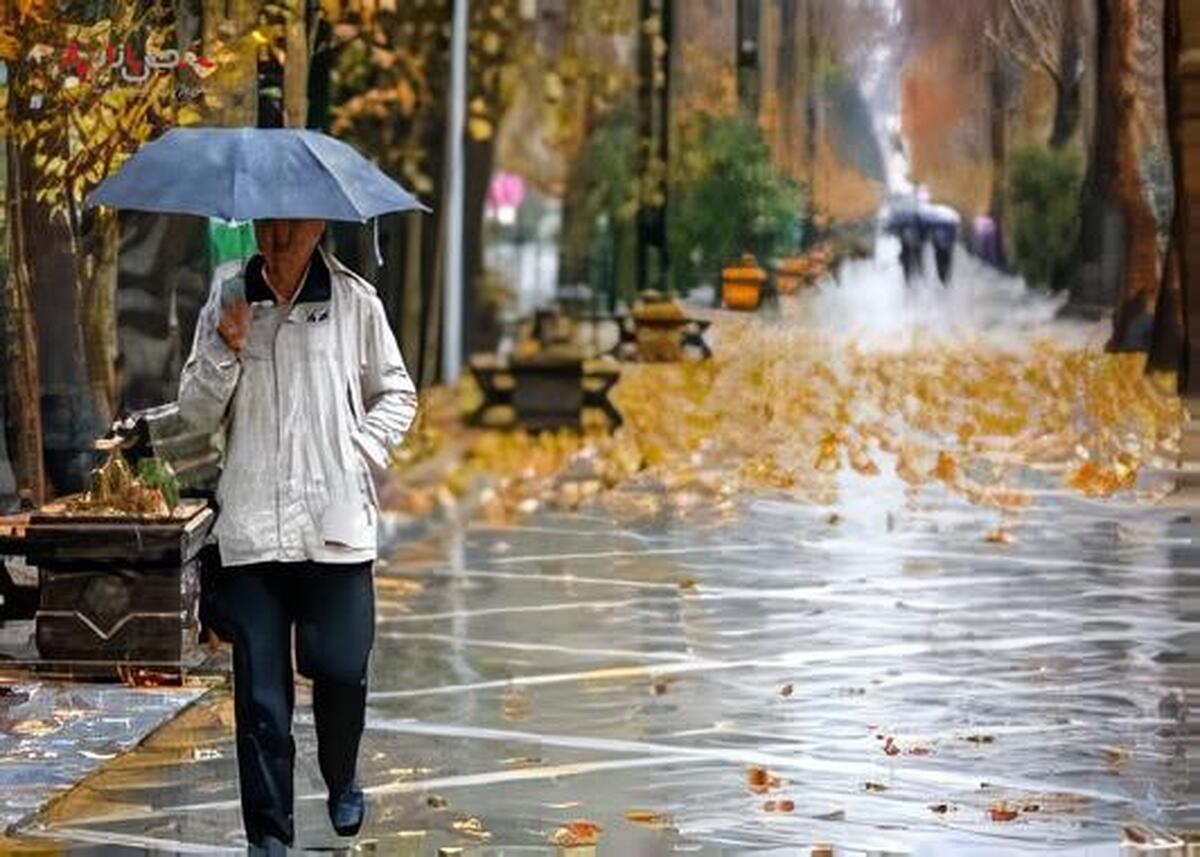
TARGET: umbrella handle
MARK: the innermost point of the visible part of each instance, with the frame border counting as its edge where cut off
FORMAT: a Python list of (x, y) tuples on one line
[(378, 255)]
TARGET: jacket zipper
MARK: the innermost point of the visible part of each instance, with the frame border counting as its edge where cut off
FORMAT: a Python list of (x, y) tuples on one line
[(278, 435)]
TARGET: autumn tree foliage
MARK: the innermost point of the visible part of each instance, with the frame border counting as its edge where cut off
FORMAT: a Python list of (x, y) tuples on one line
[(74, 114), (1045, 36), (392, 72), (947, 103), (390, 86), (810, 60)]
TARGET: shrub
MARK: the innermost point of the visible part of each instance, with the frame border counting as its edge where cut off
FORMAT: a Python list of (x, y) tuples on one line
[(727, 198), (1043, 199), (599, 233)]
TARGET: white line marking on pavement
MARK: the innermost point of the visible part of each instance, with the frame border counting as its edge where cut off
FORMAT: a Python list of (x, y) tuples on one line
[(453, 639), (148, 844), (541, 772), (510, 560), (559, 578), (787, 660), (736, 755), (521, 608)]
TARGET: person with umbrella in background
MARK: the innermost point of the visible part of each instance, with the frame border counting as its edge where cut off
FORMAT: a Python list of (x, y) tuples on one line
[(294, 357)]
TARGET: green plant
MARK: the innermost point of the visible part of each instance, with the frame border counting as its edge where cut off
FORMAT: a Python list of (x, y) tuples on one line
[(1043, 197), (157, 473), (603, 200), (727, 198)]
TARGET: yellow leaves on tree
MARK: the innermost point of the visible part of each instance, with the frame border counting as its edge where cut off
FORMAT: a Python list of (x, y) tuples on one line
[(390, 77), (10, 46), (363, 10), (94, 121), (840, 192), (938, 117), (29, 14)]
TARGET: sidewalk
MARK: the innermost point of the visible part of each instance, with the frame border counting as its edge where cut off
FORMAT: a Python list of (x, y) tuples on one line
[(55, 735)]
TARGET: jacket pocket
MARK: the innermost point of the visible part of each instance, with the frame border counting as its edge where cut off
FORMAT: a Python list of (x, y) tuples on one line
[(348, 524)]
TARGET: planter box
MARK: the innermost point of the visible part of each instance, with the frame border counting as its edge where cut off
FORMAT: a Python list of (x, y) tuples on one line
[(116, 593)]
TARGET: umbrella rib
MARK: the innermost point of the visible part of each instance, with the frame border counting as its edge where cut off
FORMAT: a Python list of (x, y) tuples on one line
[(346, 191), (233, 181)]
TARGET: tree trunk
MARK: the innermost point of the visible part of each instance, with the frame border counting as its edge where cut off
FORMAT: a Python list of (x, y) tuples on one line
[(295, 70), (480, 157), (812, 109), (1139, 291), (787, 80), (69, 414), (429, 337), (410, 323), (1100, 255), (1067, 106), (21, 340), (1168, 351), (997, 93), (99, 297), (1167, 339)]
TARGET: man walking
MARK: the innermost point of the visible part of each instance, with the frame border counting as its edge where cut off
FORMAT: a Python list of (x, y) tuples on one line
[(297, 360)]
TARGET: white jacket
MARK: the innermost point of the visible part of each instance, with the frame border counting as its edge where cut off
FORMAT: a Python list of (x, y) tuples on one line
[(317, 397)]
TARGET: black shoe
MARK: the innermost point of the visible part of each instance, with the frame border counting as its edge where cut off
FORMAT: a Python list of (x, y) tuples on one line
[(347, 809), (268, 846)]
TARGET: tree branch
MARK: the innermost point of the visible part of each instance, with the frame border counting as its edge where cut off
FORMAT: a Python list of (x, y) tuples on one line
[(1041, 38)]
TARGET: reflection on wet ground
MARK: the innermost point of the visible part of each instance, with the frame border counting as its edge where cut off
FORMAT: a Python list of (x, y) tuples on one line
[(903, 685), (53, 735)]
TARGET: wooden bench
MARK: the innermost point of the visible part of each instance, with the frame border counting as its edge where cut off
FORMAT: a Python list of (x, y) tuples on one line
[(543, 392)]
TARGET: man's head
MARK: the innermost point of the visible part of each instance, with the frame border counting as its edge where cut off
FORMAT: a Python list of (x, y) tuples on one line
[(286, 247), (286, 243)]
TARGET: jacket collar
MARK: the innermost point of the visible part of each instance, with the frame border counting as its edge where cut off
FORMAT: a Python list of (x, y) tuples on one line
[(317, 286)]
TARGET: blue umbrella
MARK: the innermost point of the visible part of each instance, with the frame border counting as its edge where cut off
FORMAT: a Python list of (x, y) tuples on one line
[(253, 174)]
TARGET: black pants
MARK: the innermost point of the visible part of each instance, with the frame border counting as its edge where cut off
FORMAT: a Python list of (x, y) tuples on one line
[(332, 608)]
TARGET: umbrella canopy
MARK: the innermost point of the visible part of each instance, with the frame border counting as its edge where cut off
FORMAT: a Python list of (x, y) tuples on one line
[(253, 174), (904, 213), (942, 215)]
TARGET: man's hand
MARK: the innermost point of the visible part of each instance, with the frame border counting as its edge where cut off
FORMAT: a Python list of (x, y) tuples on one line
[(234, 325)]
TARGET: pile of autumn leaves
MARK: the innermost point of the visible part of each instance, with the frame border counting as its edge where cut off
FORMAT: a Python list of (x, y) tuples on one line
[(780, 409)]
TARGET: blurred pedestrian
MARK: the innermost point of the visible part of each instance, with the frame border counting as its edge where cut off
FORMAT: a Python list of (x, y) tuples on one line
[(943, 237)]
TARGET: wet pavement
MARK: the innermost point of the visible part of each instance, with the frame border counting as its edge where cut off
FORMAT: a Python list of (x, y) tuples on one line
[(907, 684), (895, 672), (53, 735)]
